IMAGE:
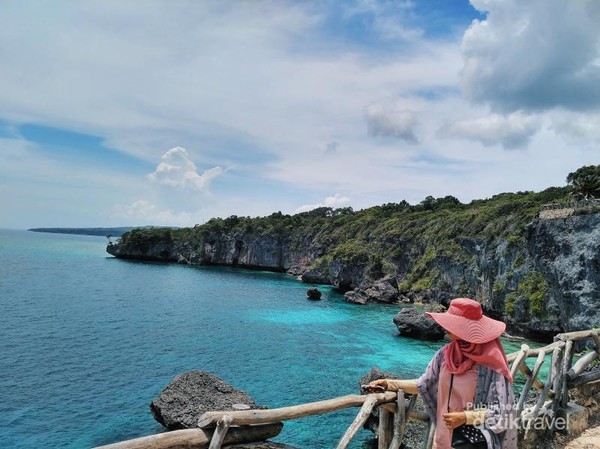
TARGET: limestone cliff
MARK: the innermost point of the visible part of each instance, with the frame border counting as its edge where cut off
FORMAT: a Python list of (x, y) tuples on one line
[(541, 278)]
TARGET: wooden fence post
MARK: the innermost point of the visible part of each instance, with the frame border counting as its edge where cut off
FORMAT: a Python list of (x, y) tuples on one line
[(525, 392), (219, 436), (360, 419), (385, 430)]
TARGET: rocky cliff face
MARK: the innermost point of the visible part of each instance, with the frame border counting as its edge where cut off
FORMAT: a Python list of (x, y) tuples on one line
[(542, 283), (567, 254), (264, 252)]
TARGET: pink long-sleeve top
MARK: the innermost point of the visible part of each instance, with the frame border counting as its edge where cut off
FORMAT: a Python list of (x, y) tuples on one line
[(461, 399)]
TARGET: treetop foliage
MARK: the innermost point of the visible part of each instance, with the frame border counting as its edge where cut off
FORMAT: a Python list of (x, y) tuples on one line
[(585, 182), (438, 221)]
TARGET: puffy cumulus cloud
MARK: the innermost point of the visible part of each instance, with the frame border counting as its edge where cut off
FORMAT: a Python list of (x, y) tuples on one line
[(534, 55), (143, 211), (333, 201), (178, 170), (511, 131), (390, 121)]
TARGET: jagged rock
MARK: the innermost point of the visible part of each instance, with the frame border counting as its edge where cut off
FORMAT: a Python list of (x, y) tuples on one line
[(415, 324), (382, 290), (191, 394), (346, 276), (315, 277), (375, 374), (566, 253), (314, 294), (355, 296), (414, 430)]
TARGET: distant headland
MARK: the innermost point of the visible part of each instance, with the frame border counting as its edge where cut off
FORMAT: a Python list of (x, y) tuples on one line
[(104, 232)]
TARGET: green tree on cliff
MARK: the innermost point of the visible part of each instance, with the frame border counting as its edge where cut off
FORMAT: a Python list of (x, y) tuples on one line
[(585, 182)]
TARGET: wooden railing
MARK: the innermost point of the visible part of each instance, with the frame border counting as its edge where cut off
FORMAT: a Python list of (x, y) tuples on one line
[(221, 427), (562, 373)]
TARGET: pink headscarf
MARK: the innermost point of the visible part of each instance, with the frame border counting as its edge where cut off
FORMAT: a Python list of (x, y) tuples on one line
[(459, 357)]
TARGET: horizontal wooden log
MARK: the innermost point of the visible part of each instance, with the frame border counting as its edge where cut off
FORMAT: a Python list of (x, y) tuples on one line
[(198, 438), (535, 351), (256, 416), (597, 341), (577, 335), (584, 379), (581, 364)]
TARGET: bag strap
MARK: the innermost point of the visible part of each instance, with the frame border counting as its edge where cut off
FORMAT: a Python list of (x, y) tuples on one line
[(450, 392)]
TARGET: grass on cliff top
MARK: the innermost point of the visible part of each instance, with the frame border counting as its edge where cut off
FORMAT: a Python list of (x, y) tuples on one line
[(365, 233)]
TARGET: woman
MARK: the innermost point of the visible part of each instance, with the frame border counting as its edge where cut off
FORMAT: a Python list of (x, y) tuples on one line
[(468, 380)]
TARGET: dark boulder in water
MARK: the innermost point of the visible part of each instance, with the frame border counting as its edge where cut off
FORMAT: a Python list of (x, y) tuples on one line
[(188, 396), (415, 324), (313, 293)]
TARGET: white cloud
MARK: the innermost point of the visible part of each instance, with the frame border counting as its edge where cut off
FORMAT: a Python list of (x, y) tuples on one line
[(333, 201), (391, 122), (178, 170), (144, 212), (534, 55), (299, 108), (511, 131), (579, 129), (388, 17)]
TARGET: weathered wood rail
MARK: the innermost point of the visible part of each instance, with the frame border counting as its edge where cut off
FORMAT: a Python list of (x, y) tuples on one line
[(226, 427)]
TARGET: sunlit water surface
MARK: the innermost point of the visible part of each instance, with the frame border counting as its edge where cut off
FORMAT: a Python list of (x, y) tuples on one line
[(87, 341)]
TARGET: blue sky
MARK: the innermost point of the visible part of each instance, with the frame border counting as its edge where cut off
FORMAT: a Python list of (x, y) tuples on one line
[(169, 113)]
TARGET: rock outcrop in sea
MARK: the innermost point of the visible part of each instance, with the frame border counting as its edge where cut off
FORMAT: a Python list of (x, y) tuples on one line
[(541, 276), (414, 323), (189, 395)]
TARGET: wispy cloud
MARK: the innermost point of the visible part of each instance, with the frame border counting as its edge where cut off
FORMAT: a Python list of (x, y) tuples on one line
[(512, 131), (278, 104), (143, 211), (391, 122)]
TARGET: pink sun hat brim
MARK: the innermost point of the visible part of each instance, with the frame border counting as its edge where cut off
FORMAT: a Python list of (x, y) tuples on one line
[(464, 318)]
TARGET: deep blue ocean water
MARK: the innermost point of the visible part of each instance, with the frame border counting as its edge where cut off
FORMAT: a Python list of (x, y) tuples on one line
[(87, 341)]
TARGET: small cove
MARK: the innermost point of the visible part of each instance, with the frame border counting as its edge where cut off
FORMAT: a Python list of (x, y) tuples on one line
[(90, 340)]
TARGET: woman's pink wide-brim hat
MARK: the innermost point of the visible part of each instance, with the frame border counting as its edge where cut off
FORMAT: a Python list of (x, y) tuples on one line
[(465, 319)]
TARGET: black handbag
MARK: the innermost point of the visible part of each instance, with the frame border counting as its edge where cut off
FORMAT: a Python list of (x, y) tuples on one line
[(466, 436)]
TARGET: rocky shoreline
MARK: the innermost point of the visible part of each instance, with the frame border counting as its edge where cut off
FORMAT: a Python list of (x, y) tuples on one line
[(547, 282)]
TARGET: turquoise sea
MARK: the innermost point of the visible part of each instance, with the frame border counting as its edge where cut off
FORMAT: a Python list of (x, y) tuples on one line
[(87, 341)]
